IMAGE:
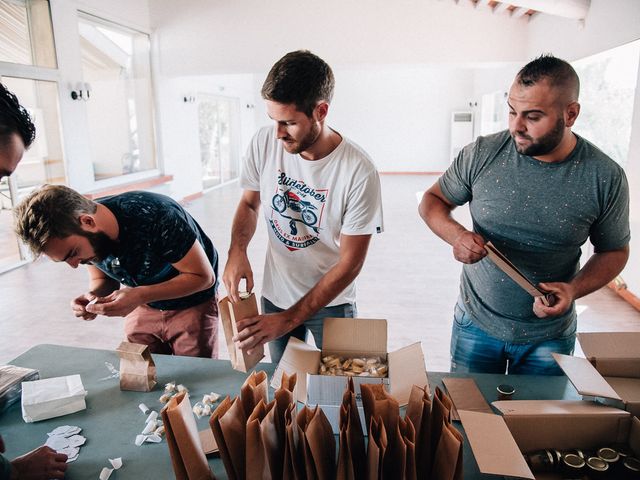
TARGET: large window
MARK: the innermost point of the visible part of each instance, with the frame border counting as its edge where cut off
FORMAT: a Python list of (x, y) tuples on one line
[(117, 74), (28, 68), (26, 36), (607, 92)]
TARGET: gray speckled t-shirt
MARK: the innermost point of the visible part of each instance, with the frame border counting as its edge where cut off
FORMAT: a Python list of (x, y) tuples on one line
[(538, 214)]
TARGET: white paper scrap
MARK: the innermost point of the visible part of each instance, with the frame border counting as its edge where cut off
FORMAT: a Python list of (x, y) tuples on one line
[(151, 426), (57, 442), (153, 438), (76, 440), (139, 440), (116, 462), (105, 473), (153, 416)]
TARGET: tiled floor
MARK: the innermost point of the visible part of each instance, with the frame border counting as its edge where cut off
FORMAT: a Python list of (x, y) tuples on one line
[(410, 279)]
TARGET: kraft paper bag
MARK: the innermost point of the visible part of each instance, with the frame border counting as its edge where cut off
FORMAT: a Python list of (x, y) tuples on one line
[(395, 458), (408, 438), (254, 390), (352, 459), (228, 424), (376, 449), (272, 443), (322, 445), (440, 418), (419, 413), (294, 467), (256, 465), (137, 370), (319, 445), (447, 464), (377, 402), (230, 313), (187, 457)]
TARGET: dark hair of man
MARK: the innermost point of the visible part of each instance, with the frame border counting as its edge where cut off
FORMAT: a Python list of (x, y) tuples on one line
[(301, 78), (14, 118), (559, 74)]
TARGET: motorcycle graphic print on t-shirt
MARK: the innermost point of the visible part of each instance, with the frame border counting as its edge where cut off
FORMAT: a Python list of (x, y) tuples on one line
[(296, 215)]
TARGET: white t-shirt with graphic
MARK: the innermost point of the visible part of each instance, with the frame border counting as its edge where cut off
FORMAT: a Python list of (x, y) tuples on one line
[(308, 204)]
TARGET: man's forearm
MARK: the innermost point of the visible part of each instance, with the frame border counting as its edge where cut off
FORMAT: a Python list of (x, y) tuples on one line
[(437, 215), (328, 287), (182, 285), (244, 227), (599, 270)]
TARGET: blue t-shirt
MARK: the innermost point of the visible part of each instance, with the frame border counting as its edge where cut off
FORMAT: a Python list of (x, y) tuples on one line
[(154, 232), (538, 214)]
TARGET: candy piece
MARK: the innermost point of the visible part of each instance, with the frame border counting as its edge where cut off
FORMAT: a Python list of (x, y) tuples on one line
[(116, 463), (153, 438), (182, 388), (144, 409), (170, 387), (159, 431), (165, 397), (140, 440), (105, 473)]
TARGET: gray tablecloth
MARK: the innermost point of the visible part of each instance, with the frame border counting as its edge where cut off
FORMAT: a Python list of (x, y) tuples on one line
[(112, 418)]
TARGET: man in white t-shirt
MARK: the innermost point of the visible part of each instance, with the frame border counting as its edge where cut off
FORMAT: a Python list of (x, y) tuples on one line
[(322, 202)]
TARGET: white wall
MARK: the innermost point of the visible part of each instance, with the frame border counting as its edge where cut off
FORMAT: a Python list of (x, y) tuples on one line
[(401, 114), (203, 37), (609, 23)]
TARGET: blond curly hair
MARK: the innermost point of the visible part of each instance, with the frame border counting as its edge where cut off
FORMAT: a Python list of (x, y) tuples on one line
[(52, 211)]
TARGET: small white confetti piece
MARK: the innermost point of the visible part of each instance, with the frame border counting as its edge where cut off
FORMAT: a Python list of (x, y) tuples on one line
[(150, 427), (153, 416), (153, 438), (105, 473), (116, 463)]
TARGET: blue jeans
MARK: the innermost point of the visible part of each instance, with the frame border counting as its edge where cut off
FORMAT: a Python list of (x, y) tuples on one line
[(472, 350), (313, 325)]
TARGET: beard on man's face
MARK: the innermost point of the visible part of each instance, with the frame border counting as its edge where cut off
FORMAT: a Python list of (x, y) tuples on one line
[(545, 144), (102, 245)]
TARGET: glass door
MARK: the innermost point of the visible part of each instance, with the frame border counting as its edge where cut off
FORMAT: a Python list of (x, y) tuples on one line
[(219, 146)]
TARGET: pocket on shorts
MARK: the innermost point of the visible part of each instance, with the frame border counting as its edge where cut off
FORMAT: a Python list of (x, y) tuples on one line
[(461, 317)]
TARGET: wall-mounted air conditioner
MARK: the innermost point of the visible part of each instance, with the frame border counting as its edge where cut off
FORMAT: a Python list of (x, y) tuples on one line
[(461, 131)]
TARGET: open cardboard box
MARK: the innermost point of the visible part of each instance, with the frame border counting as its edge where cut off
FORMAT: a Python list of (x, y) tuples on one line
[(498, 442), (349, 337), (611, 372)]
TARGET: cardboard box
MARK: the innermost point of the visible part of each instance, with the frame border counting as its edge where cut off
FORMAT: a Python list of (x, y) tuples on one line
[(349, 337), (611, 372), (498, 442)]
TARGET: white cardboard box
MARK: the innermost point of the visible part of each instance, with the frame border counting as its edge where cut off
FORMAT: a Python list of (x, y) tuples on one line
[(350, 337)]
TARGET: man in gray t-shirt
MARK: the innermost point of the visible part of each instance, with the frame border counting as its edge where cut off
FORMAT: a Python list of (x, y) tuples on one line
[(537, 192)]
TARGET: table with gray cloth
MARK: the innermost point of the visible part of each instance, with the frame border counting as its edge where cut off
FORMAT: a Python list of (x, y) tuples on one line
[(112, 418)]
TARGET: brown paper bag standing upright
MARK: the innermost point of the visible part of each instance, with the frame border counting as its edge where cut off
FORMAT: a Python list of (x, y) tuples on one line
[(322, 445), (228, 424), (409, 438), (254, 389), (376, 449), (256, 464), (137, 370), (294, 468), (419, 412), (230, 313), (447, 464), (352, 458), (187, 457)]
